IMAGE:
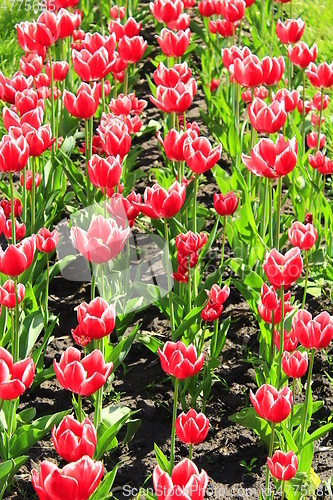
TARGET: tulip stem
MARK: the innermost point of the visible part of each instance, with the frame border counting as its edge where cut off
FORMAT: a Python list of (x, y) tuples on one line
[(79, 403), (87, 148), (103, 96), (24, 197), (281, 337), (92, 287), (263, 232), (306, 402), (272, 339), (47, 292), (270, 452), (10, 423), (13, 330), (283, 485), (52, 101), (12, 211), (270, 219), (16, 339), (126, 80), (169, 271), (263, 3), (190, 451), (33, 195), (303, 116), (306, 278), (99, 395), (173, 432), (195, 193), (223, 245), (292, 406), (320, 116), (278, 214)]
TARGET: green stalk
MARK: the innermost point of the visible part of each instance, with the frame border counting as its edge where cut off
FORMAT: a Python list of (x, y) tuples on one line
[(52, 99), (263, 231), (223, 245), (195, 193), (263, 2), (33, 195), (79, 402), (167, 257), (24, 197), (173, 431), (272, 339), (292, 407), (93, 286), (281, 337), (47, 289), (99, 396), (16, 332), (306, 278), (278, 214), (86, 127), (12, 213), (125, 79), (13, 330), (190, 451), (103, 96), (306, 402), (271, 445), (303, 116), (270, 219), (283, 485)]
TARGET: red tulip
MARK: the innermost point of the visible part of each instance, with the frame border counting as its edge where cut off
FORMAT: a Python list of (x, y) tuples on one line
[(131, 49), (27, 100), (189, 125), (308, 106), (165, 11), (17, 84), (321, 162), (248, 72), (33, 118), (126, 104), (39, 140), (77, 480), (104, 172), (85, 104), (191, 427), (122, 209), (271, 404), (181, 23), (46, 241), (159, 203), (218, 295), (301, 55), (177, 99), (117, 12), (170, 77), (269, 297), (222, 27), (131, 28), (78, 35), (67, 22), (190, 243), (185, 483), (315, 120), (283, 269), (188, 261), (17, 258), (272, 160), (180, 361), (103, 241), (260, 92), (115, 136), (14, 154), (173, 143), (316, 101), (313, 333), (290, 31), (320, 76), (79, 337), (302, 236), (46, 31), (82, 377), (312, 140), (20, 230), (207, 8), (31, 65), (267, 118), (26, 38), (3, 205), (6, 207), (289, 98), (230, 55), (214, 84), (72, 439), (283, 466), (59, 68), (174, 44), (295, 365), (7, 294), (266, 313), (15, 378), (181, 275), (199, 154), (225, 204), (96, 59), (96, 319), (28, 180), (233, 10), (290, 341)]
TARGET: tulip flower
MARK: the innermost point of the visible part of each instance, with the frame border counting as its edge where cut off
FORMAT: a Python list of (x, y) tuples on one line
[(126, 104), (14, 154), (104, 172), (6, 207), (103, 241), (176, 99), (117, 12), (96, 59), (17, 84), (7, 294), (185, 482), (283, 466), (180, 361), (272, 68), (190, 243), (96, 319), (269, 297), (122, 209), (174, 44), (159, 203), (301, 55), (271, 404), (312, 140), (85, 104), (266, 313), (165, 11), (60, 70), (67, 22), (46, 241), (320, 162), (79, 337), (82, 377), (170, 77), (46, 33), (295, 364), (223, 27), (39, 140), (211, 312), (267, 118), (20, 230), (181, 23), (303, 236), (313, 333), (214, 84), (272, 160), (207, 8), (248, 72), (26, 38), (290, 31), (115, 136), (31, 65), (28, 180), (225, 204), (229, 55), (72, 439), (260, 92), (173, 143), (17, 258), (289, 98), (233, 10), (27, 100), (188, 261), (283, 270), (131, 49), (199, 154), (320, 76), (181, 275), (77, 480), (131, 28), (316, 101), (15, 378), (192, 427), (290, 341)]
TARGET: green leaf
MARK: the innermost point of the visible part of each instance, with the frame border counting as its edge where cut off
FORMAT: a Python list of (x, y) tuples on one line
[(289, 439), (132, 427), (317, 434), (162, 460), (5, 469), (189, 319), (104, 489)]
